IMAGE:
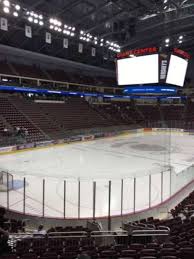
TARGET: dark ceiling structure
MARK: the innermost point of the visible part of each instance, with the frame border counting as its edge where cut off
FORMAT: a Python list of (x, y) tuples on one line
[(129, 23)]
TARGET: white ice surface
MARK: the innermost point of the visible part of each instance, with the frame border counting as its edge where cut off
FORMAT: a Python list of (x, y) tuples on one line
[(123, 157)]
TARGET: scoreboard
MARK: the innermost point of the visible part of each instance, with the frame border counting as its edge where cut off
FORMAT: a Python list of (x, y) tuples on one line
[(152, 66)]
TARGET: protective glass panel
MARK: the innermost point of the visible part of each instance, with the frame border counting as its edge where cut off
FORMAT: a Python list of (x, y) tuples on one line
[(72, 199), (166, 185), (34, 195), (155, 189), (115, 197), (128, 196), (86, 199), (54, 198), (16, 194), (142, 193), (102, 198), (11, 191)]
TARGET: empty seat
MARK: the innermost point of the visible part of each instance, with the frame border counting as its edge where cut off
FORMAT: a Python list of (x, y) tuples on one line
[(29, 256), (68, 255), (23, 246), (136, 246), (108, 253), (152, 245), (186, 253), (128, 253), (168, 251), (168, 245), (148, 252)]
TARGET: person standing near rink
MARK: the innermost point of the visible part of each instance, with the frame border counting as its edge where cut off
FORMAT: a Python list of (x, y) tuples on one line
[(40, 231)]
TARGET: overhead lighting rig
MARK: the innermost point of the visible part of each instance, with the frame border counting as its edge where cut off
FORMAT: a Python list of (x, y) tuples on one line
[(113, 46), (84, 36), (166, 4), (35, 18), (87, 37), (174, 40), (11, 7), (55, 24), (69, 30), (180, 39)]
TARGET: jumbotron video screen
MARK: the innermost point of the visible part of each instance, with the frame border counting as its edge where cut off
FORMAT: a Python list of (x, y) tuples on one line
[(150, 66)]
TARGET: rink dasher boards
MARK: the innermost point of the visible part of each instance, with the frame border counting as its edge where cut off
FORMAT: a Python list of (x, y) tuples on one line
[(126, 134)]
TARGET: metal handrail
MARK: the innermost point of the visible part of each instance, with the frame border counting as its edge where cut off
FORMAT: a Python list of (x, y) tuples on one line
[(80, 234), (67, 234), (108, 233), (150, 233)]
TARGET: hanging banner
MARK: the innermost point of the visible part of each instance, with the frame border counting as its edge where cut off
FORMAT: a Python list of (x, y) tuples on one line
[(65, 43), (80, 48), (93, 52), (4, 24), (163, 66), (28, 31), (48, 38)]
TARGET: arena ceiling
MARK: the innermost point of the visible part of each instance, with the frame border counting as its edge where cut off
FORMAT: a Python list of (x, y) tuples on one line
[(129, 23)]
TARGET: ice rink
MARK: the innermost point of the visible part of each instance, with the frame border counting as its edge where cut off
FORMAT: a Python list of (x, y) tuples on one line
[(80, 164)]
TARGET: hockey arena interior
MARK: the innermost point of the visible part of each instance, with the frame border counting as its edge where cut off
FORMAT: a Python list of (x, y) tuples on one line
[(96, 129)]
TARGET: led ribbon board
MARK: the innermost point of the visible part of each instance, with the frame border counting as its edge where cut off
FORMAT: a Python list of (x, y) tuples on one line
[(150, 90)]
